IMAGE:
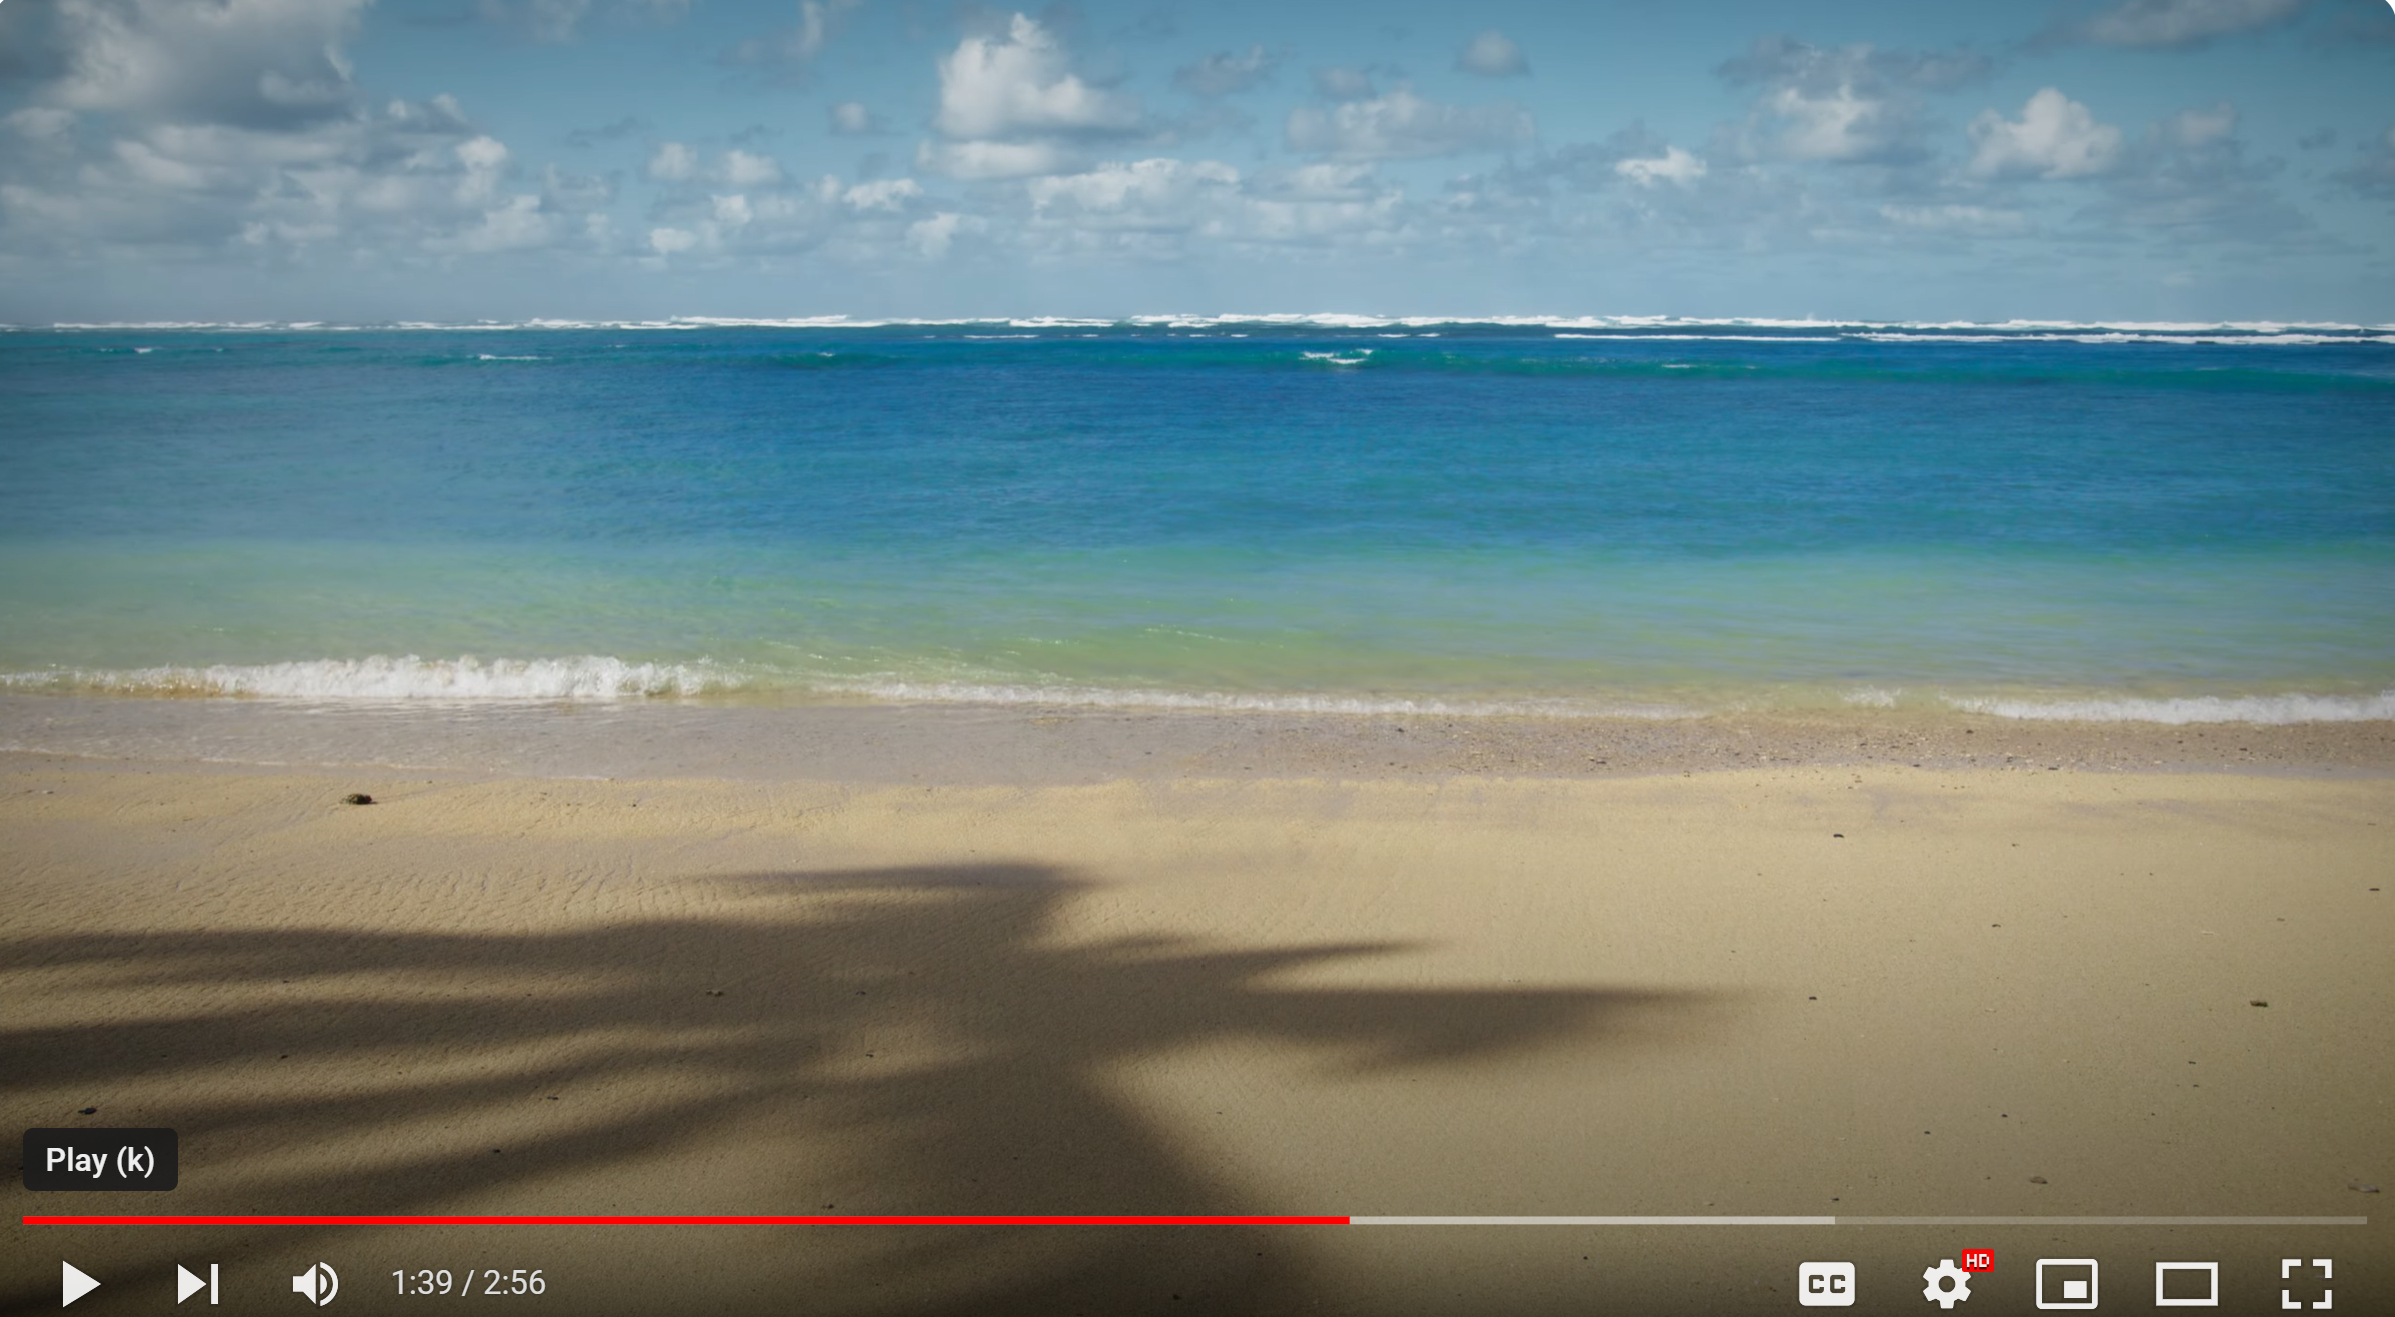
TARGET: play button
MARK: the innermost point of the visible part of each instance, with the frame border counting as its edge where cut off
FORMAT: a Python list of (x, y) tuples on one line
[(73, 1284)]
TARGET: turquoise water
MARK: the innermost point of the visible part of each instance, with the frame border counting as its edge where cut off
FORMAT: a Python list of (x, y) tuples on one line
[(2142, 522)]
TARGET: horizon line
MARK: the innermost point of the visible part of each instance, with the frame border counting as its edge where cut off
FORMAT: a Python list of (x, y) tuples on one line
[(1293, 319)]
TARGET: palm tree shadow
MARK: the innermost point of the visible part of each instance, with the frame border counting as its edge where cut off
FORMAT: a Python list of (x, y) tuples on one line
[(890, 1041)]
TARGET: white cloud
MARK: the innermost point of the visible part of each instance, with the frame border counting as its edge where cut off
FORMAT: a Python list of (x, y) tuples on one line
[(1152, 193), (814, 27), (556, 21), (988, 160), (482, 153), (680, 162), (1321, 182), (575, 193), (852, 119), (413, 178), (799, 44), (1841, 125), (233, 125), (1981, 220), (513, 225), (1018, 86), (933, 236), (40, 123), (2183, 23), (1492, 54), (743, 169), (1223, 73), (1785, 62), (253, 63), (1165, 208), (2188, 180), (1344, 84), (1635, 191), (779, 216), (673, 162), (1852, 104), (2055, 137), (545, 20), (1011, 107), (1322, 209), (1673, 166), (1402, 125), (485, 162), (888, 194), (2201, 127)]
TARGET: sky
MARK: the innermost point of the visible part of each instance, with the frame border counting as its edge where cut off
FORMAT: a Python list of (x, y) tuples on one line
[(362, 161)]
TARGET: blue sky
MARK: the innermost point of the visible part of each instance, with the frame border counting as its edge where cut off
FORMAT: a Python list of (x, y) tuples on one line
[(455, 159)]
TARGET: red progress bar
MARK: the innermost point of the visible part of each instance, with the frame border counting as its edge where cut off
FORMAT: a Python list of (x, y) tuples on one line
[(686, 1220)]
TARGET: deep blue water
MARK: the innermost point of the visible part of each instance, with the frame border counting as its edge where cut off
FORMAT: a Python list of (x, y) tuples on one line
[(1493, 515)]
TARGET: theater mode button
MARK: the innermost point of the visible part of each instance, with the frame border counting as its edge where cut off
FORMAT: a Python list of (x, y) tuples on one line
[(1825, 1284)]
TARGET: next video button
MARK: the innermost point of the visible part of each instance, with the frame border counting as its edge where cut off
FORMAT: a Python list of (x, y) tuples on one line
[(88, 1159), (1825, 1284)]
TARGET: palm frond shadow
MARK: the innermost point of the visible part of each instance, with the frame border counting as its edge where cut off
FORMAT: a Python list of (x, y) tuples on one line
[(889, 1041)]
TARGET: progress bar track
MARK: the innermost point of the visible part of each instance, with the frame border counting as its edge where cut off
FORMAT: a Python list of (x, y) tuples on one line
[(1859, 1220), (1196, 1220)]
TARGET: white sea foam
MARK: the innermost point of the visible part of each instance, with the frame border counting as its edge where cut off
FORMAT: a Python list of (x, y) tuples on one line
[(903, 691), (1709, 338), (383, 678), (2288, 708), (469, 680), (2207, 337)]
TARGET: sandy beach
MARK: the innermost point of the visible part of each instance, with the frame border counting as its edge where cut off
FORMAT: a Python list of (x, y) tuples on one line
[(1747, 969)]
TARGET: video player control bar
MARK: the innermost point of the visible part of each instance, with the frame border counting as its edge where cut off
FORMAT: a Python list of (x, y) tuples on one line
[(1198, 1220)]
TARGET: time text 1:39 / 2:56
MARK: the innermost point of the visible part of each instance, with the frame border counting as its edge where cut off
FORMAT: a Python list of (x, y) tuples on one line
[(426, 1282)]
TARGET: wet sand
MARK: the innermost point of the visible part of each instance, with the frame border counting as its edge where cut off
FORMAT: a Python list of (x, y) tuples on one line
[(997, 963), (1029, 745)]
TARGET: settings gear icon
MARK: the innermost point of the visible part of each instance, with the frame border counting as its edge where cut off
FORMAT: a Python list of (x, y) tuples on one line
[(1937, 1291)]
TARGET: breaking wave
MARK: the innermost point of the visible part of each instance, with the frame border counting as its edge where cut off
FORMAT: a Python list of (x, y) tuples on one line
[(1105, 697), (599, 678), (2288, 708), (2289, 333), (381, 678)]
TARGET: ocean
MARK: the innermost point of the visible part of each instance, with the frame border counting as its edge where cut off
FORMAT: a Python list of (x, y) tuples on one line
[(1613, 516)]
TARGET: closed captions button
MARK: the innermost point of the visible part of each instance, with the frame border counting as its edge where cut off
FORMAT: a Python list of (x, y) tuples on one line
[(1825, 1284)]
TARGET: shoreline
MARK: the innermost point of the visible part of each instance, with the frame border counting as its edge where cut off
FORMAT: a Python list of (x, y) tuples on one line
[(960, 744)]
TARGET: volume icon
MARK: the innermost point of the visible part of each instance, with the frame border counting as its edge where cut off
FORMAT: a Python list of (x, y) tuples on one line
[(318, 1284)]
